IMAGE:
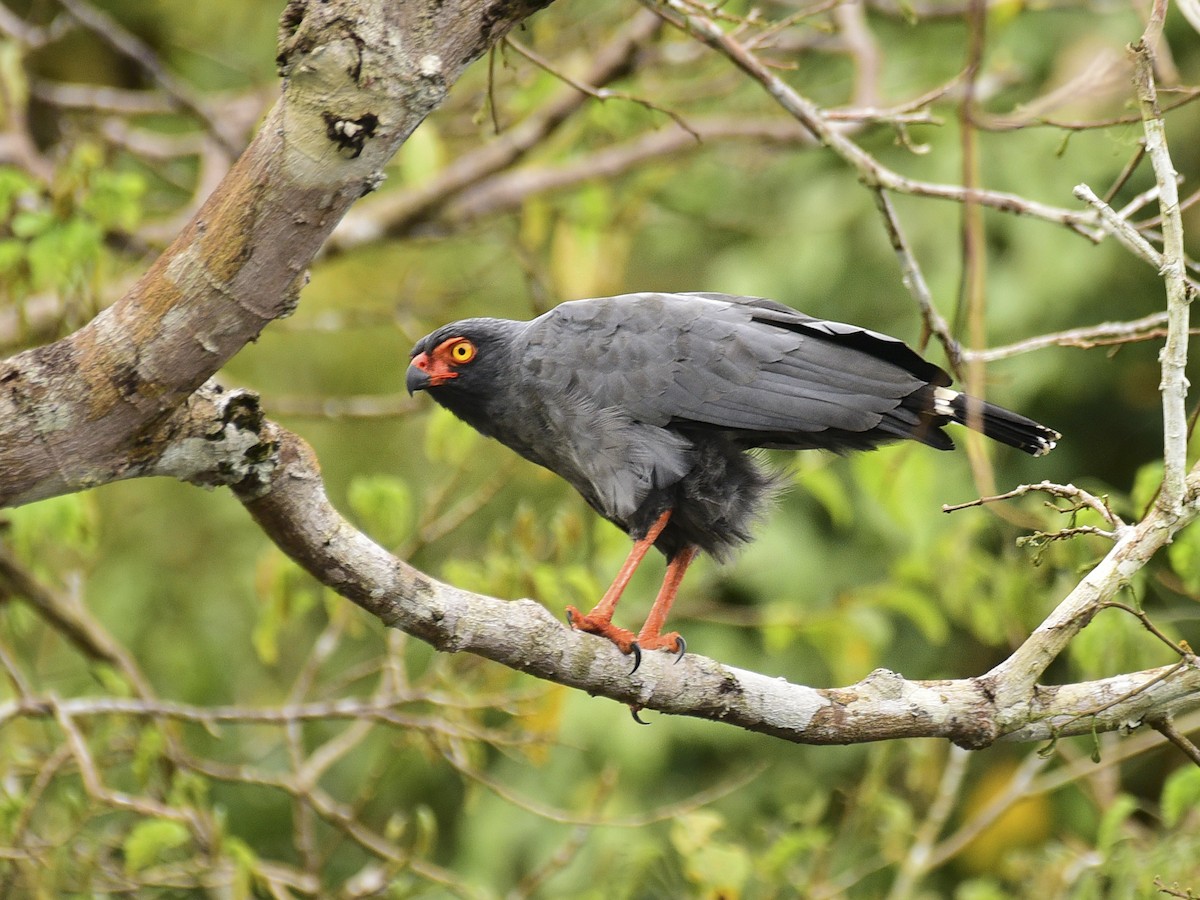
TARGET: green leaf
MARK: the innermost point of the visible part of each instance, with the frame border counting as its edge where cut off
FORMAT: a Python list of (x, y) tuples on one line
[(149, 752), (150, 840), (62, 255), (14, 185), (115, 200), (384, 506), (1180, 795), (1184, 554), (288, 596), (1110, 830), (245, 862), (448, 439), (719, 867), (423, 155), (29, 223), (43, 531), (916, 606), (12, 255), (1145, 485), (825, 486)]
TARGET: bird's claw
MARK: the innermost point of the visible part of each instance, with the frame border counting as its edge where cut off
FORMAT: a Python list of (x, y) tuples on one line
[(625, 640), (634, 710)]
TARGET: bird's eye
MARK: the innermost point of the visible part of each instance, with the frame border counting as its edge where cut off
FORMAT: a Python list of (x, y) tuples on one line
[(462, 351)]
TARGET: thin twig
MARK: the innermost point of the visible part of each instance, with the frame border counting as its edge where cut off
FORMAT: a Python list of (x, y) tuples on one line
[(594, 92), (129, 45), (1104, 334), (1119, 227), (916, 861), (914, 280), (1166, 728), (1078, 496), (1174, 355), (697, 19)]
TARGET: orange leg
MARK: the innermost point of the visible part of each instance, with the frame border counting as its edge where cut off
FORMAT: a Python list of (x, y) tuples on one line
[(599, 620), (650, 637)]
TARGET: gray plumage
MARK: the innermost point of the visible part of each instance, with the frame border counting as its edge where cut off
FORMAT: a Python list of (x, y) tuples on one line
[(648, 402)]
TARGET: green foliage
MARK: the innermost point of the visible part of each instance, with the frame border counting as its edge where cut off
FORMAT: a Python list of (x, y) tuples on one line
[(384, 505), (1181, 797), (715, 866), (53, 239), (482, 782), (55, 535), (151, 841)]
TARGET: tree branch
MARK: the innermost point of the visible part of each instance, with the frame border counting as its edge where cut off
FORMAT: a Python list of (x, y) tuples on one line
[(284, 493), (1174, 353), (128, 395), (73, 413), (697, 19)]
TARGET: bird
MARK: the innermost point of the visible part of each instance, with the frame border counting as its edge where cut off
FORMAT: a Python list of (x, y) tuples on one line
[(653, 405)]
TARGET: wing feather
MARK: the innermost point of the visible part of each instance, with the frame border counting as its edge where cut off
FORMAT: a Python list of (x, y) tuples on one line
[(738, 363)]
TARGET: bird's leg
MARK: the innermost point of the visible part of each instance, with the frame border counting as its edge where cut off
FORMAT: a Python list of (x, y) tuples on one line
[(599, 620), (650, 637)]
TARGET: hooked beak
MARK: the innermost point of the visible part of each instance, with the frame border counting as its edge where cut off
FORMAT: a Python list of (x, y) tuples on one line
[(417, 378)]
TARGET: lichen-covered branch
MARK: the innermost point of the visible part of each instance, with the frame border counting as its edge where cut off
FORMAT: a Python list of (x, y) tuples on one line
[(285, 494), (75, 413)]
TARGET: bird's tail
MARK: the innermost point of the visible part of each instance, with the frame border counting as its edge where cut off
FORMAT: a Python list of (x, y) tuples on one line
[(996, 422)]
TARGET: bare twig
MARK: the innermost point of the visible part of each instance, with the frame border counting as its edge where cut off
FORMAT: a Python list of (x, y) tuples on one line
[(1166, 728), (594, 92), (1017, 788), (1174, 890), (916, 861), (1174, 355), (1104, 334), (1140, 614), (1119, 227), (398, 211), (698, 19), (145, 806), (914, 280), (129, 45), (1078, 496)]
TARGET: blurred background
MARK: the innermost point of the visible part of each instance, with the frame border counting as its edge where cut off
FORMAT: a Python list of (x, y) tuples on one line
[(119, 117)]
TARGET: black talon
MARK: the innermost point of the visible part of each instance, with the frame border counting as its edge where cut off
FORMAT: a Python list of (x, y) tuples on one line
[(634, 710), (570, 618), (682, 648), (637, 661)]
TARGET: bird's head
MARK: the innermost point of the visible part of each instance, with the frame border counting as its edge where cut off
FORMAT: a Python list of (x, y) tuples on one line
[(463, 364)]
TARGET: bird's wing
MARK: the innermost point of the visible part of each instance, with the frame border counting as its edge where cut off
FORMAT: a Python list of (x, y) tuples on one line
[(734, 363)]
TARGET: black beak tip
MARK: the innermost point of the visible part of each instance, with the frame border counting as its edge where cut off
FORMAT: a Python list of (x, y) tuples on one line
[(415, 380)]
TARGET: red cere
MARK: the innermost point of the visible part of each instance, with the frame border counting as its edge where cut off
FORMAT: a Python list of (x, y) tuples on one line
[(436, 366)]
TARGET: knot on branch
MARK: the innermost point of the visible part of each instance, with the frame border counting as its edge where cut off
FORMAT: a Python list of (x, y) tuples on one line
[(351, 135), (219, 438)]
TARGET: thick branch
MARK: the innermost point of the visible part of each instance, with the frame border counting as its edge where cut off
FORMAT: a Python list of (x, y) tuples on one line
[(285, 495), (396, 212), (74, 413)]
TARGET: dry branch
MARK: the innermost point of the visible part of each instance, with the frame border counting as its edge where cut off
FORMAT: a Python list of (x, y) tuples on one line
[(285, 494), (129, 396)]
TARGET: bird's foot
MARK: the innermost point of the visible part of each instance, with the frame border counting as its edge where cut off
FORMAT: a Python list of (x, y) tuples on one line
[(625, 639), (627, 642), (622, 637), (672, 641)]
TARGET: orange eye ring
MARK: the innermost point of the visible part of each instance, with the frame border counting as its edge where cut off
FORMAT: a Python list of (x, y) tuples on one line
[(462, 351)]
